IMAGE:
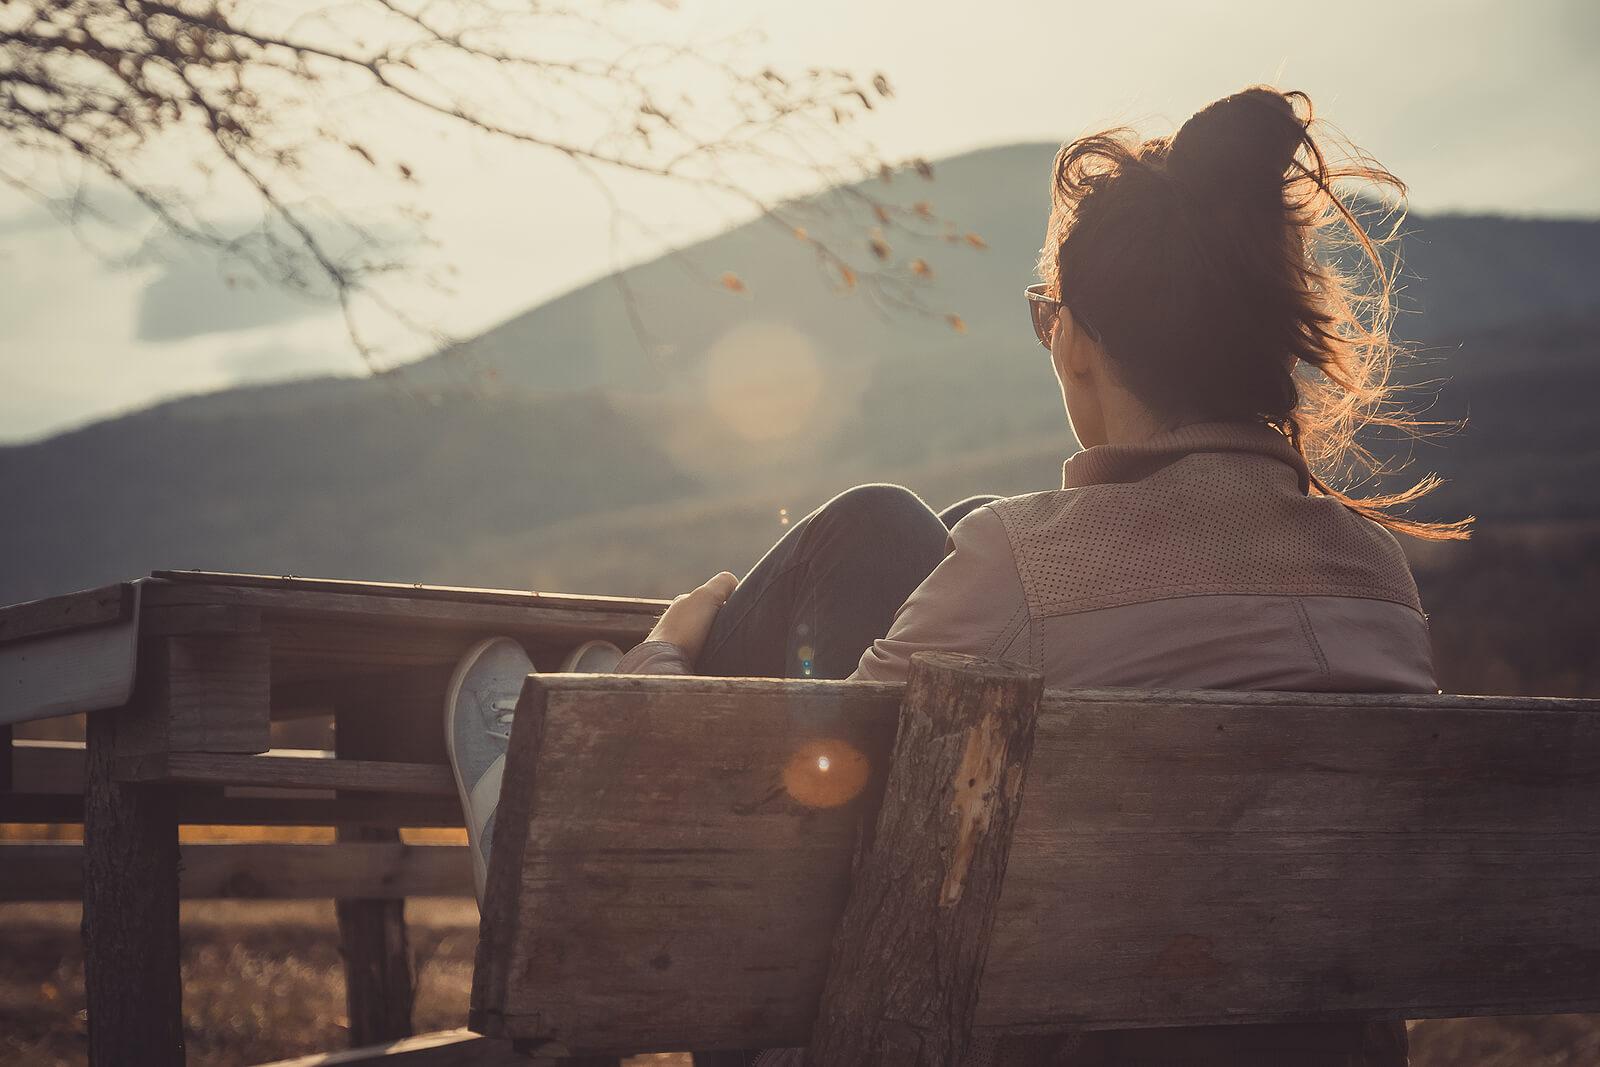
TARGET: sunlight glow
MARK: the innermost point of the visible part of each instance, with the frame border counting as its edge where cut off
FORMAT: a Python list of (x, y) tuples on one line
[(763, 380)]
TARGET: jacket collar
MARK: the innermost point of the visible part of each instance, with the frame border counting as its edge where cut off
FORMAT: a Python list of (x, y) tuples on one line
[(1131, 462)]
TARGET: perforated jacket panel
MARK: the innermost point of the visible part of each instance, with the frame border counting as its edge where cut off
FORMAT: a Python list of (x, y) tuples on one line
[(1205, 523)]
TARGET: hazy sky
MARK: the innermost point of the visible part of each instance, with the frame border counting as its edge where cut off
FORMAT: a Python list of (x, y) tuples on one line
[(1479, 106)]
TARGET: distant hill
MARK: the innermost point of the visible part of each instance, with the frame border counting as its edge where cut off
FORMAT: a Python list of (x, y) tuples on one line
[(350, 479), (556, 451), (1462, 274)]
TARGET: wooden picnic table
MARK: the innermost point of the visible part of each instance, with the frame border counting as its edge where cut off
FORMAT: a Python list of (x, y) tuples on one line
[(182, 675)]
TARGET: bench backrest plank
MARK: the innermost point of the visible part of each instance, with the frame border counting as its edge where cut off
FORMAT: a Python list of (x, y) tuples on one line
[(665, 877), (669, 872), (1189, 862)]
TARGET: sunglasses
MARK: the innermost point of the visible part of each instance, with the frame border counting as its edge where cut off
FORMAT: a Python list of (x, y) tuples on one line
[(1044, 308)]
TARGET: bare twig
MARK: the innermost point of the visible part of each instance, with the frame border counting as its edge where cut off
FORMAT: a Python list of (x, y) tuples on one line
[(115, 84)]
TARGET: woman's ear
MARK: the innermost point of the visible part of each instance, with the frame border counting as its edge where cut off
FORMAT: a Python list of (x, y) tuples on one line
[(1071, 350)]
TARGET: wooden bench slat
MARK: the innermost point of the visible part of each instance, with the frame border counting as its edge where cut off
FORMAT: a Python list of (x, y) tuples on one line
[(48, 787), (297, 772), (255, 806), (1177, 861), (669, 852), (56, 767), (255, 871)]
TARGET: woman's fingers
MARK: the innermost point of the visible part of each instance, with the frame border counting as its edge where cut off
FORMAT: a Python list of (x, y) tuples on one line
[(688, 620), (715, 590), (699, 607), (721, 586)]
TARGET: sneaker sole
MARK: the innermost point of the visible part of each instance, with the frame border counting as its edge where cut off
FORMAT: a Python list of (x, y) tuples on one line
[(469, 659)]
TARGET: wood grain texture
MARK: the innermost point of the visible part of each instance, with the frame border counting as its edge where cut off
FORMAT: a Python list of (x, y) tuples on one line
[(909, 950), (171, 620), (681, 860), (130, 911), (551, 615), (299, 772), (319, 648), (68, 671), (75, 611), (1178, 858), (376, 870), (208, 693), (1207, 861)]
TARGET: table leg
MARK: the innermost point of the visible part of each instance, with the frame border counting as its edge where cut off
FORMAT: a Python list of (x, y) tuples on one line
[(379, 989), (130, 911)]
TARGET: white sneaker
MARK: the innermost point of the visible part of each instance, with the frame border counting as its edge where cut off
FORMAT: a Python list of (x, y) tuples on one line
[(593, 657), (478, 709)]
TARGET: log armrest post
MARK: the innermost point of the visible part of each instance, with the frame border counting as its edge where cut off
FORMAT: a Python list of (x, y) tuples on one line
[(903, 974)]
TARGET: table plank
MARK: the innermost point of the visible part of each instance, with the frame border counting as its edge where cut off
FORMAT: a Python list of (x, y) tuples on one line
[(542, 614), (87, 608), (418, 591), (293, 772), (81, 665)]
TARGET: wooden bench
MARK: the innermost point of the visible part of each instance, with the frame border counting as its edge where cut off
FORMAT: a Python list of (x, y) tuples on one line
[(713, 863), (878, 871)]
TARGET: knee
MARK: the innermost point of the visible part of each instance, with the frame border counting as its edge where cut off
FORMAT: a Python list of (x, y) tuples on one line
[(873, 537), (876, 507), (852, 523)]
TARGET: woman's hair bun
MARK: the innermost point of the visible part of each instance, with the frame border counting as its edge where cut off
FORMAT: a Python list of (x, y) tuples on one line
[(1244, 142)]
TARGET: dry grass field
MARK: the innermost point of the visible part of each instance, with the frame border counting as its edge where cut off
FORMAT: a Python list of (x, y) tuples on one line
[(263, 981)]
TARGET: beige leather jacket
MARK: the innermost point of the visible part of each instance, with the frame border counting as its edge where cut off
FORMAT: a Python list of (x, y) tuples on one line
[(1195, 559)]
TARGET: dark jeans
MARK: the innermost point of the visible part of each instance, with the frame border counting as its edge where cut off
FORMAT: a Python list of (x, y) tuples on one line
[(830, 586)]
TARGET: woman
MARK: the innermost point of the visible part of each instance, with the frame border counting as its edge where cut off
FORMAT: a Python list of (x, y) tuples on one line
[(1213, 359)]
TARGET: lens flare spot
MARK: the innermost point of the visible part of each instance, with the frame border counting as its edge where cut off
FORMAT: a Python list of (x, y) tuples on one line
[(764, 381), (826, 773)]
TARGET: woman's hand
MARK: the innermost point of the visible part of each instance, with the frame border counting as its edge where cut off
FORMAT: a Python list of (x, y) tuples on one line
[(688, 620)]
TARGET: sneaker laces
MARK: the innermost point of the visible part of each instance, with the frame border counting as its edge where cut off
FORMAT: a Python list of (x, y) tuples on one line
[(504, 708)]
